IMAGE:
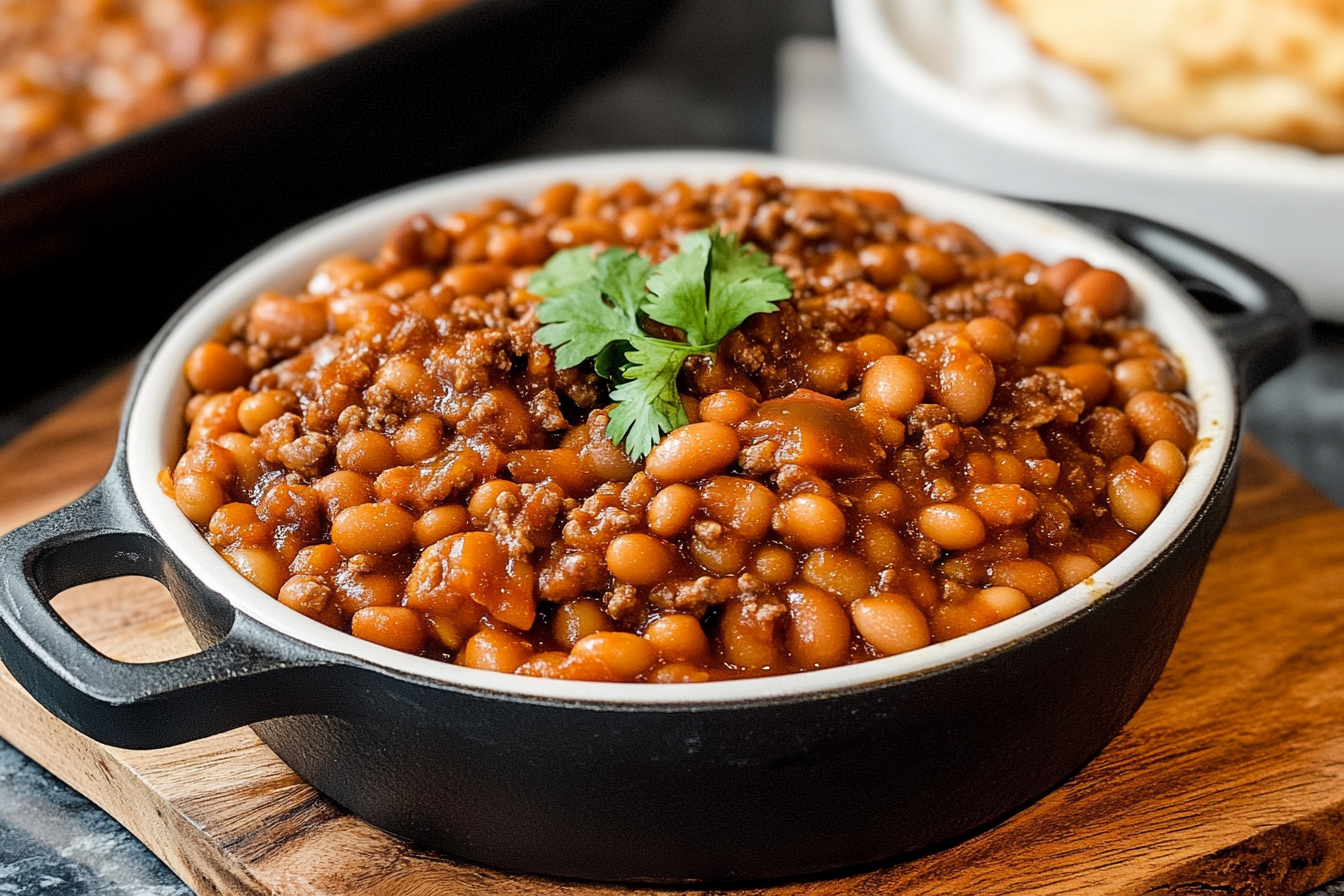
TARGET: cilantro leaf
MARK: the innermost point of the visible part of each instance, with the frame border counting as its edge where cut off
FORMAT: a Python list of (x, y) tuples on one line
[(742, 282), (593, 307), (713, 285), (591, 303), (564, 272), (678, 292), (648, 402), (579, 325)]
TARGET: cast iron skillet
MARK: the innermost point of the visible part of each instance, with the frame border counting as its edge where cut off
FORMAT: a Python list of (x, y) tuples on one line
[(722, 780)]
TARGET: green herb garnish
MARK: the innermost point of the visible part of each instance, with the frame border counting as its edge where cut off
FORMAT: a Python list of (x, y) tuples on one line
[(594, 307)]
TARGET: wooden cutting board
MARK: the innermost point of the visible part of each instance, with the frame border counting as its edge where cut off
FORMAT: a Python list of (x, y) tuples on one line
[(1229, 779)]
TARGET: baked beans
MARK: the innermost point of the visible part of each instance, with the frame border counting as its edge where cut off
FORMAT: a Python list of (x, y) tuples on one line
[(928, 438), (78, 73)]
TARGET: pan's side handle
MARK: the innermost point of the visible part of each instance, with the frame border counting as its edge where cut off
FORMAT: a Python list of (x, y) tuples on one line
[(1257, 316), (249, 674)]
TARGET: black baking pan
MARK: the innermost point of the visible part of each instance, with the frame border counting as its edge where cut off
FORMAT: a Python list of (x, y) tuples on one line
[(98, 250), (747, 779)]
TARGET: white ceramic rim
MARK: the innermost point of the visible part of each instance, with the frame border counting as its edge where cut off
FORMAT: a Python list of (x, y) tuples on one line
[(865, 29), (153, 434)]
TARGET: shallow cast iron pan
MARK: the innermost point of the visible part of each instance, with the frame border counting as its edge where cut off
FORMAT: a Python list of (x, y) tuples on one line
[(747, 779), (103, 247)]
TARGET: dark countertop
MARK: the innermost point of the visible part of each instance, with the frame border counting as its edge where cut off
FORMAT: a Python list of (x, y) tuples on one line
[(711, 67)]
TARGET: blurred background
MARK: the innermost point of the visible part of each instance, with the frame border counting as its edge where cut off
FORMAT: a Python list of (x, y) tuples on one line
[(98, 245)]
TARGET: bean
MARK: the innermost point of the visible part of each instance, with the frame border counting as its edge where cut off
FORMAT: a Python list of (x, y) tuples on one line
[(476, 279), (211, 367), (339, 273), (894, 384), (1039, 338), (809, 521), (773, 564), (217, 416), (966, 385), (1157, 416), (260, 566), (365, 451), (743, 505), (438, 523), (992, 338), (1032, 577), (555, 201), (725, 553), (884, 499), (308, 595), (381, 528), (931, 263), (693, 451), (981, 609), (419, 438), (678, 673), (728, 406), (356, 590), (670, 511), (1000, 602), (639, 224), (1166, 459), (626, 655), (679, 638), (748, 641), (891, 623), (547, 664), (407, 283), (261, 408), (404, 376), (284, 324), (1134, 494), (237, 523), (580, 231), (343, 489), (839, 573), (880, 544), (817, 635), (1099, 290), (316, 560), (1061, 275), (829, 373), (199, 495), (1009, 468), (640, 560), (495, 650), (883, 263), (487, 497), (1093, 380), (394, 627), (1004, 504), (952, 526), (907, 310), (1073, 568), (350, 310), (871, 346)]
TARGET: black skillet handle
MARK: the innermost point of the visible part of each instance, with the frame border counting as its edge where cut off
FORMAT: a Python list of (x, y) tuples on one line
[(250, 673), (1257, 316)]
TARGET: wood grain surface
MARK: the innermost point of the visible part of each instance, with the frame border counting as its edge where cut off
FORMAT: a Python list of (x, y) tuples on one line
[(1230, 779)]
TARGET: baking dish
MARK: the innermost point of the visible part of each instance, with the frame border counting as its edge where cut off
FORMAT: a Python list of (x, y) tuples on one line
[(1274, 204), (120, 235), (742, 779)]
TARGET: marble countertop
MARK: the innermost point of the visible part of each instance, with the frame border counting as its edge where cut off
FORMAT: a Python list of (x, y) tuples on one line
[(723, 78)]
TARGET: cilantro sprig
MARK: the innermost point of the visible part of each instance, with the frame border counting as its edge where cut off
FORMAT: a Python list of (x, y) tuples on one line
[(595, 306)]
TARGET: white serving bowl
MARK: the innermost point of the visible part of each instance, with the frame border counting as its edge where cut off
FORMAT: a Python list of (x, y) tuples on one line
[(1280, 207)]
